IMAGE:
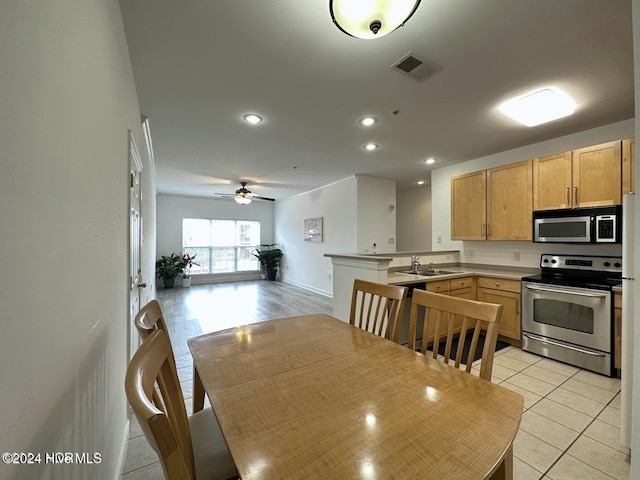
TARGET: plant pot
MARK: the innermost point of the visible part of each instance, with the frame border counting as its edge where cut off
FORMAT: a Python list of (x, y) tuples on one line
[(271, 273), (186, 282), (168, 282)]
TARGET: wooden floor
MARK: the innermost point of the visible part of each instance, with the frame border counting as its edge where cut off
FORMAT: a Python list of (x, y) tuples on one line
[(209, 308)]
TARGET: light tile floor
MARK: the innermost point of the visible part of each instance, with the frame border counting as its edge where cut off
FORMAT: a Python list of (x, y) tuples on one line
[(570, 425)]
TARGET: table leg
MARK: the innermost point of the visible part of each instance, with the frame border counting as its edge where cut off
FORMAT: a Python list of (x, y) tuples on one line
[(198, 391), (505, 470)]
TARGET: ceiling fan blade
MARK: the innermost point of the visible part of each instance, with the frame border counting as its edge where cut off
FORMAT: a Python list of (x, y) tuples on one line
[(258, 197), (225, 194)]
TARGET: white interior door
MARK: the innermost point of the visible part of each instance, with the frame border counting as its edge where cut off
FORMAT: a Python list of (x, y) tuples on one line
[(135, 238)]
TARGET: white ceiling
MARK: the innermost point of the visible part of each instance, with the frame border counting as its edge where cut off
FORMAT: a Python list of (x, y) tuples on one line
[(199, 65)]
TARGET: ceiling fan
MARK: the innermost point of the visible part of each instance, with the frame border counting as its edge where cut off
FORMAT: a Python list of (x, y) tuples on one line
[(244, 196)]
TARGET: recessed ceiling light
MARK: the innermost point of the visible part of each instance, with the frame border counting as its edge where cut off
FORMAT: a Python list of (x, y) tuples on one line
[(539, 107), (370, 146), (252, 118), (368, 121), (430, 161)]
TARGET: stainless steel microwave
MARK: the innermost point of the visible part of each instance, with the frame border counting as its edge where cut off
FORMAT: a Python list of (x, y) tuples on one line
[(578, 225)]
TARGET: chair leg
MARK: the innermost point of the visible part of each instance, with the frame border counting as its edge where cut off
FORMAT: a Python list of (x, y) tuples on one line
[(198, 391)]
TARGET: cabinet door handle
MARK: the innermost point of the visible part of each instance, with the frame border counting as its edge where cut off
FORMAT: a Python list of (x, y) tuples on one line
[(483, 233), (568, 196), (575, 196), (497, 284)]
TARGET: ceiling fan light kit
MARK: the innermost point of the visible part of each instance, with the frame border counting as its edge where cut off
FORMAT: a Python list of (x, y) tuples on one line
[(369, 19), (243, 196)]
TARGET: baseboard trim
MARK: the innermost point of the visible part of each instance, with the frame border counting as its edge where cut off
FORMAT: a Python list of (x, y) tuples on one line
[(319, 291)]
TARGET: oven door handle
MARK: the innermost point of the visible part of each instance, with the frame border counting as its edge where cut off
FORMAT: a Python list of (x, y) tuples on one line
[(562, 345), (568, 292)]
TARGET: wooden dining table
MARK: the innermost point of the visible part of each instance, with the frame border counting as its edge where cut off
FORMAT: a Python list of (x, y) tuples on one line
[(312, 397)]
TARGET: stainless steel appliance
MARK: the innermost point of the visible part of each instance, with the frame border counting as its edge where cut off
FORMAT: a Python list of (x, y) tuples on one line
[(578, 225), (567, 310), (403, 338), (628, 306)]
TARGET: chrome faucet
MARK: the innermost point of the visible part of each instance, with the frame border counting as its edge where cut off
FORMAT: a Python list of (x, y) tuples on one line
[(415, 263)]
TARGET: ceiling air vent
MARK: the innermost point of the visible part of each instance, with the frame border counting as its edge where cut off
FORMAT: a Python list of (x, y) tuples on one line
[(414, 67)]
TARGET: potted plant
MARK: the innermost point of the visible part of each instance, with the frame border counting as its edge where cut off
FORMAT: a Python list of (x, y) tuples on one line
[(187, 262), (269, 257), (169, 268)]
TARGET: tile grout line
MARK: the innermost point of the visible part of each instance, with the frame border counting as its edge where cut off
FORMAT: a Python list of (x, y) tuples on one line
[(580, 434)]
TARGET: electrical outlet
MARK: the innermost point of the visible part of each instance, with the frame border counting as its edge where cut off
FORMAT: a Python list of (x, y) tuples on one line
[(516, 256), (439, 239), (390, 240), (448, 257), (471, 253)]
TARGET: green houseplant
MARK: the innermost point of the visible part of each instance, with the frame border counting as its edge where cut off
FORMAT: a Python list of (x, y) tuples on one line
[(169, 268), (186, 262), (269, 255)]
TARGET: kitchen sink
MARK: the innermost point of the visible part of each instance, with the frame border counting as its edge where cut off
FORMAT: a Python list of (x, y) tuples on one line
[(431, 273)]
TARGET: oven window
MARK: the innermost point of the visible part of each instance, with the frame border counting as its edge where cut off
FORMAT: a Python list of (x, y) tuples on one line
[(563, 315)]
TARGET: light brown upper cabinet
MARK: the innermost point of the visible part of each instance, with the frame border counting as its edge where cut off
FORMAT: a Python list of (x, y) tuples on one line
[(552, 181), (469, 206), (628, 166), (597, 175), (587, 177), (509, 201), (494, 204)]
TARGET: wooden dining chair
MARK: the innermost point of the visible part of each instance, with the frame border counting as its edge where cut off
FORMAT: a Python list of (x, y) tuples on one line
[(377, 308), (150, 318), (440, 314), (189, 447)]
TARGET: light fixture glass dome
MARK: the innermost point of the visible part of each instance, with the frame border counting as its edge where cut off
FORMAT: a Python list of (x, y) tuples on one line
[(371, 18), (242, 199)]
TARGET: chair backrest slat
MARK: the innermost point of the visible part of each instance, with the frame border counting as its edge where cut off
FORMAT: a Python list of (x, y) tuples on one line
[(439, 314), (377, 308)]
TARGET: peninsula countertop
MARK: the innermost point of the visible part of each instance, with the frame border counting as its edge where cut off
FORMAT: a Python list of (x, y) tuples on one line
[(509, 273)]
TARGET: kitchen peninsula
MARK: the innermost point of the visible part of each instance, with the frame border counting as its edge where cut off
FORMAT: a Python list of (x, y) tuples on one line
[(489, 283)]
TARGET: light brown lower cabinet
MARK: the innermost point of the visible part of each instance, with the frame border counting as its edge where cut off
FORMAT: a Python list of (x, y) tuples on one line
[(458, 287), (506, 293)]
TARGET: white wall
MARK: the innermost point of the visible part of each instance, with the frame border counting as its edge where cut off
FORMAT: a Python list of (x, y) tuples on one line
[(413, 219), (68, 98), (376, 214), (501, 252), (304, 263)]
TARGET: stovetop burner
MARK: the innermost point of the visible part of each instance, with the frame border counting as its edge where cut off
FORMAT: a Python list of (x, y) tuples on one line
[(600, 273)]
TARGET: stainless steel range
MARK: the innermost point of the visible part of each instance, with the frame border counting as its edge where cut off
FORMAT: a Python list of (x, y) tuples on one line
[(567, 310)]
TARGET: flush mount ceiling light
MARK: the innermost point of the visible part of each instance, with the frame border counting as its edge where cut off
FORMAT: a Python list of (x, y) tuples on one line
[(430, 161), (252, 118), (370, 146), (539, 107), (371, 18), (368, 121)]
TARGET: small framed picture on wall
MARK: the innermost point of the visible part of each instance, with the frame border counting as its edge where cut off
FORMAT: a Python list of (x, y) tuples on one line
[(313, 230)]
